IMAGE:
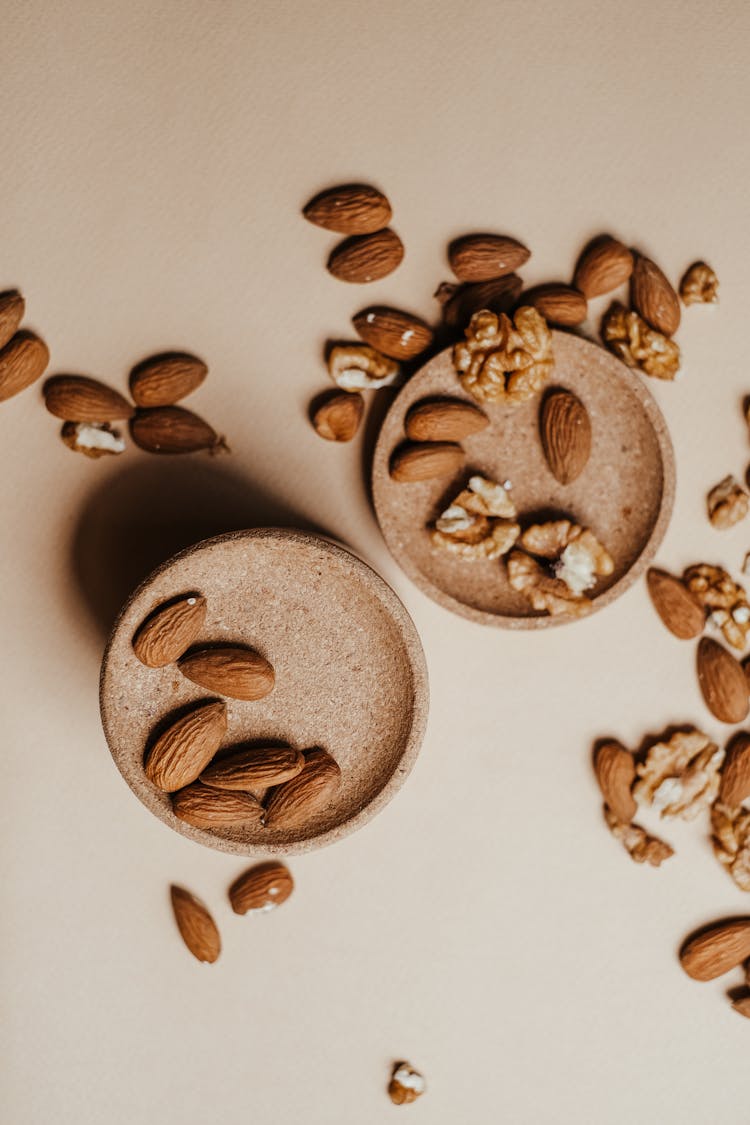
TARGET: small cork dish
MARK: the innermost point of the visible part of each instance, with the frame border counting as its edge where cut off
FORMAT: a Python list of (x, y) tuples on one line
[(624, 494), (350, 675)]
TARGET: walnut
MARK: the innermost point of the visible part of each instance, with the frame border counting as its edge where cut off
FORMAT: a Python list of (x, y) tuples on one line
[(577, 559), (543, 591), (479, 523), (406, 1084), (358, 367), (731, 841), (724, 598), (680, 776), (92, 439), (699, 285), (504, 360), (641, 847), (626, 334), (727, 503)]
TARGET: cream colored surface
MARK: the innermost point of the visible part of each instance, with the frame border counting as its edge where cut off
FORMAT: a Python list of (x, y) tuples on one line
[(485, 926)]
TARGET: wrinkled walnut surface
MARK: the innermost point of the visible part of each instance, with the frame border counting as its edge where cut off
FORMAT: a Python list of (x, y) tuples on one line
[(731, 841), (680, 776), (699, 285), (633, 341), (577, 559), (479, 523), (727, 503), (640, 845), (504, 360), (358, 367)]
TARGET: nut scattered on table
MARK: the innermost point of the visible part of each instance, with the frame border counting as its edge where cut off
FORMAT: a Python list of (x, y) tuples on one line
[(679, 608), (366, 257), (164, 379), (632, 340), (262, 888), (12, 310), (406, 1084), (605, 264), (558, 303), (504, 360), (172, 429), (392, 332), (640, 845), (699, 285), (483, 257), (716, 949), (722, 682), (727, 503), (460, 302), (197, 928), (479, 523), (679, 776), (653, 297), (92, 439), (730, 827), (77, 398), (339, 416), (23, 360), (349, 209), (724, 600), (614, 767), (358, 367)]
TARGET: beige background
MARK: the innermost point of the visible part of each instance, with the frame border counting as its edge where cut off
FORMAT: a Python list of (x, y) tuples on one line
[(155, 158)]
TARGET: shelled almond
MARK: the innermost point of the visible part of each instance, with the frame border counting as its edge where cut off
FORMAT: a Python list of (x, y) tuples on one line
[(231, 670), (169, 630), (172, 429), (363, 258), (23, 360), (77, 398), (261, 889), (162, 380), (444, 420), (197, 928), (204, 807), (349, 209), (182, 751), (604, 265), (394, 333), (482, 257), (565, 431)]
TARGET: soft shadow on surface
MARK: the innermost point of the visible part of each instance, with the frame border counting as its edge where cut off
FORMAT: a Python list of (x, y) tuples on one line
[(140, 518)]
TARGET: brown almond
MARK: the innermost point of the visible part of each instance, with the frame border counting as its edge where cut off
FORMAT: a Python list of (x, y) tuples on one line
[(722, 681), (652, 295), (742, 1006), (565, 431), (716, 949), (735, 776), (172, 429), (349, 209), (425, 461), (163, 380), (197, 928), (614, 767), (22, 361), (203, 807), (339, 415), (604, 265), (444, 420), (460, 302), (12, 309), (480, 257), (558, 303), (293, 804), (678, 608), (394, 333), (230, 670), (366, 257), (170, 630), (254, 768), (264, 887), (183, 750), (76, 398)]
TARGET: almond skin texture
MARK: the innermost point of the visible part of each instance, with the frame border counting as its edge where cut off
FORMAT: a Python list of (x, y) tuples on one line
[(12, 309), (565, 430), (425, 461), (604, 265), (23, 360), (262, 888), (182, 751), (682, 613), (172, 429), (615, 771), (460, 302), (349, 209), (722, 681), (202, 807), (396, 334), (481, 257), (170, 630), (254, 768), (559, 304), (652, 295), (444, 420), (292, 804), (164, 379), (717, 949), (237, 672), (196, 926), (76, 398), (735, 776), (366, 257), (339, 415)]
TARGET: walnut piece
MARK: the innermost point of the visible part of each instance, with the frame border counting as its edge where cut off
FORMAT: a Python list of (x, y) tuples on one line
[(92, 439), (680, 776), (699, 285), (577, 559), (633, 341), (723, 598), (642, 847), (727, 503), (406, 1084), (504, 360), (358, 367), (479, 523), (731, 841)]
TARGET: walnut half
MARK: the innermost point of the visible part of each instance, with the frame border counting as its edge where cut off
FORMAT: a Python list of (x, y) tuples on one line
[(731, 840), (504, 360), (680, 776), (633, 341), (640, 846), (479, 523), (727, 503), (574, 560), (699, 285)]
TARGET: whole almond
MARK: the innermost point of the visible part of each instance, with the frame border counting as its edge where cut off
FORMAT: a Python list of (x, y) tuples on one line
[(715, 950), (203, 807), (172, 429), (444, 420), (196, 926), (339, 415), (559, 304), (678, 608), (292, 804), (480, 257), (735, 776), (366, 257), (262, 888), (349, 209), (22, 361), (652, 295), (76, 398), (12, 308), (230, 670), (254, 768), (460, 302), (604, 265), (169, 630), (394, 333), (163, 380), (565, 431), (183, 750), (722, 681), (425, 461), (615, 772)]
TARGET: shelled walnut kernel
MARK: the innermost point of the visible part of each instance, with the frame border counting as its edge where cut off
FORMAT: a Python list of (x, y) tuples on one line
[(626, 334)]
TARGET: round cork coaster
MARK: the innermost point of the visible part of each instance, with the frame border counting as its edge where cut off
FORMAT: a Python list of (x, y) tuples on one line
[(350, 675), (625, 493)]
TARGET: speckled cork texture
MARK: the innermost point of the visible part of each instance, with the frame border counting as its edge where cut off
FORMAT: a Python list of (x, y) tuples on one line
[(350, 674), (625, 493)]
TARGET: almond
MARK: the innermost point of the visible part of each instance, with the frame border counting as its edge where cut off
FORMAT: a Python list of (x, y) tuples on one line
[(653, 296), (169, 630), (716, 949), (614, 767), (735, 776), (22, 361), (565, 430), (196, 926), (230, 670), (444, 420), (678, 608), (183, 750), (203, 807), (172, 429), (338, 416), (722, 681), (742, 1005), (254, 768), (366, 257), (164, 379), (292, 804), (425, 461), (396, 334), (604, 265), (76, 398), (480, 257), (460, 302), (349, 209), (262, 888), (559, 304), (12, 308)]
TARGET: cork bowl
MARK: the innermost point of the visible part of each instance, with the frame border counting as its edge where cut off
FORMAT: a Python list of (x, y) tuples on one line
[(625, 493), (350, 675)]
